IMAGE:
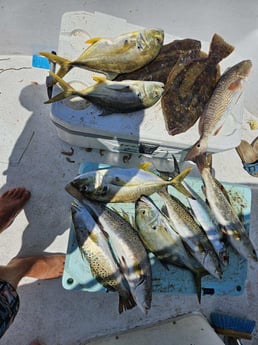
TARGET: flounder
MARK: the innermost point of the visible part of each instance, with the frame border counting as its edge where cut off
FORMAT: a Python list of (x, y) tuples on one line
[(190, 85)]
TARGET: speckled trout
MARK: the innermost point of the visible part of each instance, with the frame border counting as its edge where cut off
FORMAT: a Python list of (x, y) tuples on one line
[(121, 184), (121, 54), (95, 248), (224, 212), (128, 250), (227, 90)]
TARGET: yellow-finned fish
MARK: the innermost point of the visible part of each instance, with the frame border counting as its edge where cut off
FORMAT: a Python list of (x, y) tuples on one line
[(129, 251), (112, 56), (114, 96), (95, 248), (224, 212), (228, 87), (192, 234), (121, 184)]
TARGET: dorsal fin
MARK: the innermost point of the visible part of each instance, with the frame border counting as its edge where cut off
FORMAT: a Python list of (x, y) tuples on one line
[(93, 40)]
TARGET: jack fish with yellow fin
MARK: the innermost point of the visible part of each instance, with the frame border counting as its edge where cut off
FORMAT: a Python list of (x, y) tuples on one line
[(121, 184), (112, 56), (114, 96)]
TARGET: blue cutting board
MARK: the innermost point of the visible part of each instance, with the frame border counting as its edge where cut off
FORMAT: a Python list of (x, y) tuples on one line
[(77, 274)]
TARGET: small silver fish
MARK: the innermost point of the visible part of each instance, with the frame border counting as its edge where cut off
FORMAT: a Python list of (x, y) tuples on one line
[(211, 120), (95, 248)]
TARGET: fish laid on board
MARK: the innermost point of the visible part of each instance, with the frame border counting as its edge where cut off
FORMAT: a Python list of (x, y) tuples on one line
[(204, 216), (228, 87), (224, 212), (95, 248), (159, 68), (158, 236), (190, 85), (129, 251), (112, 56), (191, 233), (114, 96), (121, 184)]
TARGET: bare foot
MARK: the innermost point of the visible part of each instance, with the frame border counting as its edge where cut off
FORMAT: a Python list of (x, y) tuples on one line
[(48, 266), (11, 203)]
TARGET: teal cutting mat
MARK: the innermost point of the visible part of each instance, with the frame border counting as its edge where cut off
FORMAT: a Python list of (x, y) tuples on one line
[(77, 275)]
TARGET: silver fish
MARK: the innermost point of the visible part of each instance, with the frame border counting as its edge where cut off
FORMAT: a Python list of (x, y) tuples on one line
[(192, 234), (129, 251), (114, 96), (224, 212), (158, 235), (112, 56), (95, 248), (121, 184)]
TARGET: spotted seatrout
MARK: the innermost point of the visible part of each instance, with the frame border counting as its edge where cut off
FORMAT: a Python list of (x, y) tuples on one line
[(95, 248), (128, 250), (121, 54), (211, 120)]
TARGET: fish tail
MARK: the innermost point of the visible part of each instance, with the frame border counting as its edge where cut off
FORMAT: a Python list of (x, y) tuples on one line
[(197, 275), (219, 48), (125, 303), (177, 182), (68, 90), (65, 64)]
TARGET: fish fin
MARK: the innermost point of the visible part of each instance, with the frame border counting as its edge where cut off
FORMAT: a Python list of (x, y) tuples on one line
[(145, 166), (177, 182), (219, 48), (105, 112), (68, 90), (235, 85), (65, 64), (93, 40), (125, 303), (119, 87), (236, 235), (99, 79), (217, 130), (111, 75)]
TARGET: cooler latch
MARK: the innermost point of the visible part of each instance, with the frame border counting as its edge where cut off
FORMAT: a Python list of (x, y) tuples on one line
[(147, 148)]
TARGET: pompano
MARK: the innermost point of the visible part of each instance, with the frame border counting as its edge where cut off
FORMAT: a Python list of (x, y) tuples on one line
[(224, 212), (121, 184), (190, 85), (114, 96), (191, 233), (121, 54), (95, 248), (159, 68), (128, 250), (228, 87)]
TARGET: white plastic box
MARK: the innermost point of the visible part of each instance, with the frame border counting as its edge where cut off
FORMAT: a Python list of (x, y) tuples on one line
[(141, 132)]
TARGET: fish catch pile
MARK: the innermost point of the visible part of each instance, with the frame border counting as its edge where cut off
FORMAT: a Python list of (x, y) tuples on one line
[(139, 70), (116, 245)]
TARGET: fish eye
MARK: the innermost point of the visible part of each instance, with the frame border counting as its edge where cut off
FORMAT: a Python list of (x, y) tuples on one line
[(126, 41), (154, 228), (143, 212), (139, 94), (84, 189)]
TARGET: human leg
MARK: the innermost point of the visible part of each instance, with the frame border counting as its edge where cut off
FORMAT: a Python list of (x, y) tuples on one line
[(11, 203)]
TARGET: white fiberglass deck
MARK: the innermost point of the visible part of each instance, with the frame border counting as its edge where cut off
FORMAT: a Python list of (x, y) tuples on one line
[(31, 156)]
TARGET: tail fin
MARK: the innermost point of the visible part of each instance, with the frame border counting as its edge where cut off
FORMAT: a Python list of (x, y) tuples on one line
[(219, 49), (68, 90), (65, 64), (126, 303), (177, 182)]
